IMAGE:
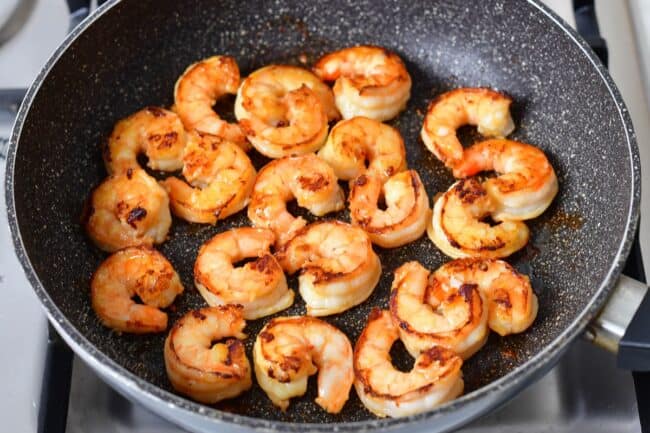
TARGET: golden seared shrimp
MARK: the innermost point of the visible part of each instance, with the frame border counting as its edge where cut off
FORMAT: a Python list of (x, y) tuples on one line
[(407, 207), (290, 349), (153, 131), (435, 378), (458, 229), (135, 271), (510, 300), (222, 177), (429, 313), (285, 110), (487, 109), (526, 183), (199, 368), (369, 81), (353, 142), (338, 267), (198, 89), (127, 209), (259, 286), (307, 179)]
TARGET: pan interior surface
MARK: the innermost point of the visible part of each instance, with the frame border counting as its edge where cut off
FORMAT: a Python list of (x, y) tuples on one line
[(132, 55)]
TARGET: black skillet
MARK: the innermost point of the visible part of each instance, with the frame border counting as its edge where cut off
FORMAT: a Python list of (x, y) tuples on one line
[(129, 55)]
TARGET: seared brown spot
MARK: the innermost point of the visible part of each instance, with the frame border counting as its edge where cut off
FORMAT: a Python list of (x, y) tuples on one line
[(361, 180), (235, 348), (314, 182), (265, 264), (321, 275), (129, 173), (121, 209), (482, 266), (156, 111), (492, 247), (375, 314), (435, 354), (197, 314), (168, 140), (415, 183), (468, 191), (290, 363), (136, 214), (266, 336), (281, 124), (466, 290), (503, 301)]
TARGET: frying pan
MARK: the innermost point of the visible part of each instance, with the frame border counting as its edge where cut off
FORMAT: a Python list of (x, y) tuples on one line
[(129, 54)]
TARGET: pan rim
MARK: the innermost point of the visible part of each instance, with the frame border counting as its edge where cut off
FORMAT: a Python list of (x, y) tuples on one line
[(513, 381)]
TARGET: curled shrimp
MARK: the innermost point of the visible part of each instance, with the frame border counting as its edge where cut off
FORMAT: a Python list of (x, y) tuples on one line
[(135, 271), (338, 267), (435, 378), (154, 131), (526, 183), (308, 179), (198, 89), (127, 209), (458, 229), (285, 110), (290, 349), (489, 110), (407, 207), (511, 303), (429, 313), (221, 177), (369, 81), (259, 286), (353, 142), (199, 368)]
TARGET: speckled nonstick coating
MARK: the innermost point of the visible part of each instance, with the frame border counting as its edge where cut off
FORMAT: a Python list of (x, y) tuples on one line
[(130, 57)]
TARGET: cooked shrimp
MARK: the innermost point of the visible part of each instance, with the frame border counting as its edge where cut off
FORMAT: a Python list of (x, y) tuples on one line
[(407, 208), (429, 313), (135, 271), (222, 175), (526, 183), (487, 109), (290, 349), (510, 300), (154, 131), (339, 267), (306, 178), (259, 286), (285, 110), (127, 209), (457, 227), (370, 81), (199, 368), (198, 89), (435, 378), (353, 142)]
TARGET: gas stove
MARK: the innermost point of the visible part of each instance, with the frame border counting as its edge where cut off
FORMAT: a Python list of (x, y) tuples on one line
[(58, 393)]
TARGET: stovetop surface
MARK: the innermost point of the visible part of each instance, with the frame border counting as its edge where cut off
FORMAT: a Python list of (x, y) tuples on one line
[(584, 393)]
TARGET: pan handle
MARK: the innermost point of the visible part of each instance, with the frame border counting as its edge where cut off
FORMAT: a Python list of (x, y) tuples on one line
[(587, 26), (623, 323)]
